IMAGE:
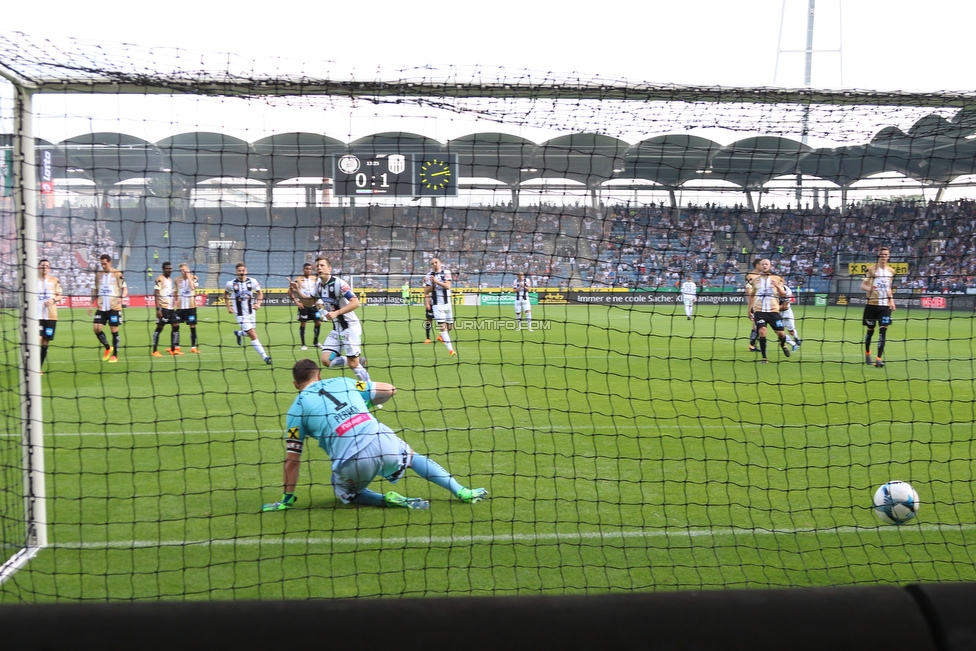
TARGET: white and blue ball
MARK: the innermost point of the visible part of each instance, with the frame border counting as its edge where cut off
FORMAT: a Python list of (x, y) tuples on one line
[(896, 502)]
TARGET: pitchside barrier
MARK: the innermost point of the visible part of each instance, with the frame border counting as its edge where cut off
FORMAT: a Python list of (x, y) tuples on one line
[(617, 297)]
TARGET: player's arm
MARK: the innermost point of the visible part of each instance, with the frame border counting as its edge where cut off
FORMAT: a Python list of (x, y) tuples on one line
[(352, 304), (294, 442), (750, 297), (158, 295), (446, 283), (867, 285), (375, 393), (94, 295), (227, 301), (57, 291), (123, 288), (891, 294), (292, 291)]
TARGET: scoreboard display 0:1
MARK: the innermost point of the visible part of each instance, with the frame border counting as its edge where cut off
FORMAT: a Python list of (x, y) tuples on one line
[(374, 175)]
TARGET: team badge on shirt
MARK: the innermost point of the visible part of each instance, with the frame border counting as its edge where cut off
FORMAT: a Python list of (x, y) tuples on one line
[(360, 385), (293, 432)]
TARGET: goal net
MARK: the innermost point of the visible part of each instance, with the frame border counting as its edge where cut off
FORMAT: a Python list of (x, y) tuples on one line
[(628, 436)]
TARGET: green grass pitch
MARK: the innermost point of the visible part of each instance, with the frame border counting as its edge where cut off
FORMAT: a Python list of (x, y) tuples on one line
[(624, 449)]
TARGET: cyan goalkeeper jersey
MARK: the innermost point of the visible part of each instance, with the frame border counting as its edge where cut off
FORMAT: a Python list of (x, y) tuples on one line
[(334, 412)]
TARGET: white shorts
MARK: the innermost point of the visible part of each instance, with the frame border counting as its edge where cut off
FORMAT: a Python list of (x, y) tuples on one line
[(346, 341), (523, 305), (246, 322), (443, 313), (689, 300), (387, 456), (788, 320)]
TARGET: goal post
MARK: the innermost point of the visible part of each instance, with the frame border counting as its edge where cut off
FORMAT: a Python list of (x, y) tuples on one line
[(32, 416)]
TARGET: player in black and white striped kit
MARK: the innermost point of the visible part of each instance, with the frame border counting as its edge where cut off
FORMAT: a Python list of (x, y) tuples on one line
[(338, 305), (522, 303), (243, 297), (437, 283)]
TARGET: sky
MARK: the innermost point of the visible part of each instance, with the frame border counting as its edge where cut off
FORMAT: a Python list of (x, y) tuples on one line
[(895, 44)]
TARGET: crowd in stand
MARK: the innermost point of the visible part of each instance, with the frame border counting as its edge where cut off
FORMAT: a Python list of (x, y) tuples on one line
[(558, 246)]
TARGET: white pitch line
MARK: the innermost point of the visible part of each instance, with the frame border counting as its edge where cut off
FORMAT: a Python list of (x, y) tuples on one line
[(561, 428), (569, 537)]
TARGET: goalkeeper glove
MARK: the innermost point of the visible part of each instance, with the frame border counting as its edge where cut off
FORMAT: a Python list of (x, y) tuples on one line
[(287, 501)]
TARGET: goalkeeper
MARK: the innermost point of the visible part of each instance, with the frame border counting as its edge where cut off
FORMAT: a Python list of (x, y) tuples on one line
[(335, 412)]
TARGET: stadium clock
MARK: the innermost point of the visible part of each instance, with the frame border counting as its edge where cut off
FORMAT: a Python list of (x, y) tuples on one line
[(437, 175), (374, 175)]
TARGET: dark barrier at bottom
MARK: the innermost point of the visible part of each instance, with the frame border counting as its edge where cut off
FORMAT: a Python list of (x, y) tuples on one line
[(819, 619)]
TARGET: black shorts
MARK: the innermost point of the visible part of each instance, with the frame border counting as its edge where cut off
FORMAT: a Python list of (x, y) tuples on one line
[(188, 316), (430, 314), (168, 317), (769, 319), (48, 326), (875, 313), (308, 314), (108, 317)]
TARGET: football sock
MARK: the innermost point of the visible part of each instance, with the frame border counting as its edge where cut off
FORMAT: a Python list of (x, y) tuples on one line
[(301, 331), (881, 342), (789, 340), (434, 473), (528, 320), (175, 338), (368, 498), (336, 361), (427, 329), (103, 339), (43, 353), (193, 336), (753, 336), (315, 335), (361, 373), (447, 339), (258, 347), (155, 338), (867, 341), (115, 343), (762, 346)]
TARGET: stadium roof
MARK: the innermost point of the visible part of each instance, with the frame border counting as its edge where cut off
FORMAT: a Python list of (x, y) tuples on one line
[(935, 151)]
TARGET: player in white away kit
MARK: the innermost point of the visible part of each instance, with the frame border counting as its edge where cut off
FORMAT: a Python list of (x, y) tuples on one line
[(243, 297), (879, 284), (689, 296), (764, 293), (307, 309), (186, 303), (48, 295), (522, 287), (342, 346), (789, 320), (165, 293), (437, 283)]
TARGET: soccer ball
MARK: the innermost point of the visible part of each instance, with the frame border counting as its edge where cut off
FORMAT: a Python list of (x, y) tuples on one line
[(896, 502)]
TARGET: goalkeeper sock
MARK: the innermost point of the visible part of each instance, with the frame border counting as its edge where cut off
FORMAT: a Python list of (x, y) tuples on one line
[(103, 339), (762, 346), (301, 331), (881, 342), (258, 347), (368, 498), (434, 473)]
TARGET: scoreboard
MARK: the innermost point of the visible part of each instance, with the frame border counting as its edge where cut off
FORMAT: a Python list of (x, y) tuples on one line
[(395, 175)]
